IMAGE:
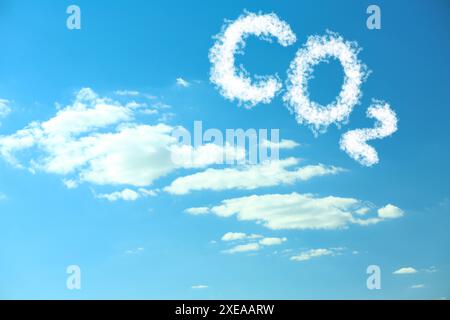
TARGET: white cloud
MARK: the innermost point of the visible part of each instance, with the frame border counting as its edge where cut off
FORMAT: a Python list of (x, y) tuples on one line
[(354, 142), (183, 83), (197, 211), (249, 177), (243, 248), (127, 195), (232, 236), (317, 49), (98, 140), (132, 93), (272, 241), (283, 144), (313, 253), (70, 184), (418, 286), (405, 270), (390, 212), (296, 212), (199, 287), (235, 83)]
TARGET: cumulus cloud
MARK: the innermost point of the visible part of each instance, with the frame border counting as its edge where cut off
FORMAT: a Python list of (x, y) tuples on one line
[(235, 83), (313, 253), (354, 142), (249, 177), (316, 50), (405, 270), (273, 241), (232, 236), (390, 212), (298, 212), (98, 140)]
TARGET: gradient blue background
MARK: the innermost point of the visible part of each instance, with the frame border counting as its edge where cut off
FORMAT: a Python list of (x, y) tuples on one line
[(145, 46)]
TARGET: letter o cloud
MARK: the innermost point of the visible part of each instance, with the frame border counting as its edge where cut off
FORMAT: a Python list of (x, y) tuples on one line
[(319, 49), (236, 84)]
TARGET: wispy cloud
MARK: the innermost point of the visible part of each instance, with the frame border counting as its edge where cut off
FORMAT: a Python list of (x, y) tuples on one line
[(183, 83), (313, 253), (127, 195), (298, 212), (405, 270), (250, 177), (200, 287), (243, 248)]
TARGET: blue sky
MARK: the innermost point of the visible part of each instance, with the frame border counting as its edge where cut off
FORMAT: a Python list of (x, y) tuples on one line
[(151, 247)]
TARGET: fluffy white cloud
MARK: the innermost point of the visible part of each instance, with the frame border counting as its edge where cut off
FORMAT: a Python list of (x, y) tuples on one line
[(313, 253), (235, 83), (272, 241), (317, 49), (390, 212), (354, 142), (296, 211), (405, 270), (250, 177), (98, 140), (232, 236)]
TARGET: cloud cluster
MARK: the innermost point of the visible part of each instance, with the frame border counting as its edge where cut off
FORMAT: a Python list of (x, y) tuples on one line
[(250, 177), (254, 242), (316, 50), (354, 142), (299, 212), (235, 83), (98, 140)]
